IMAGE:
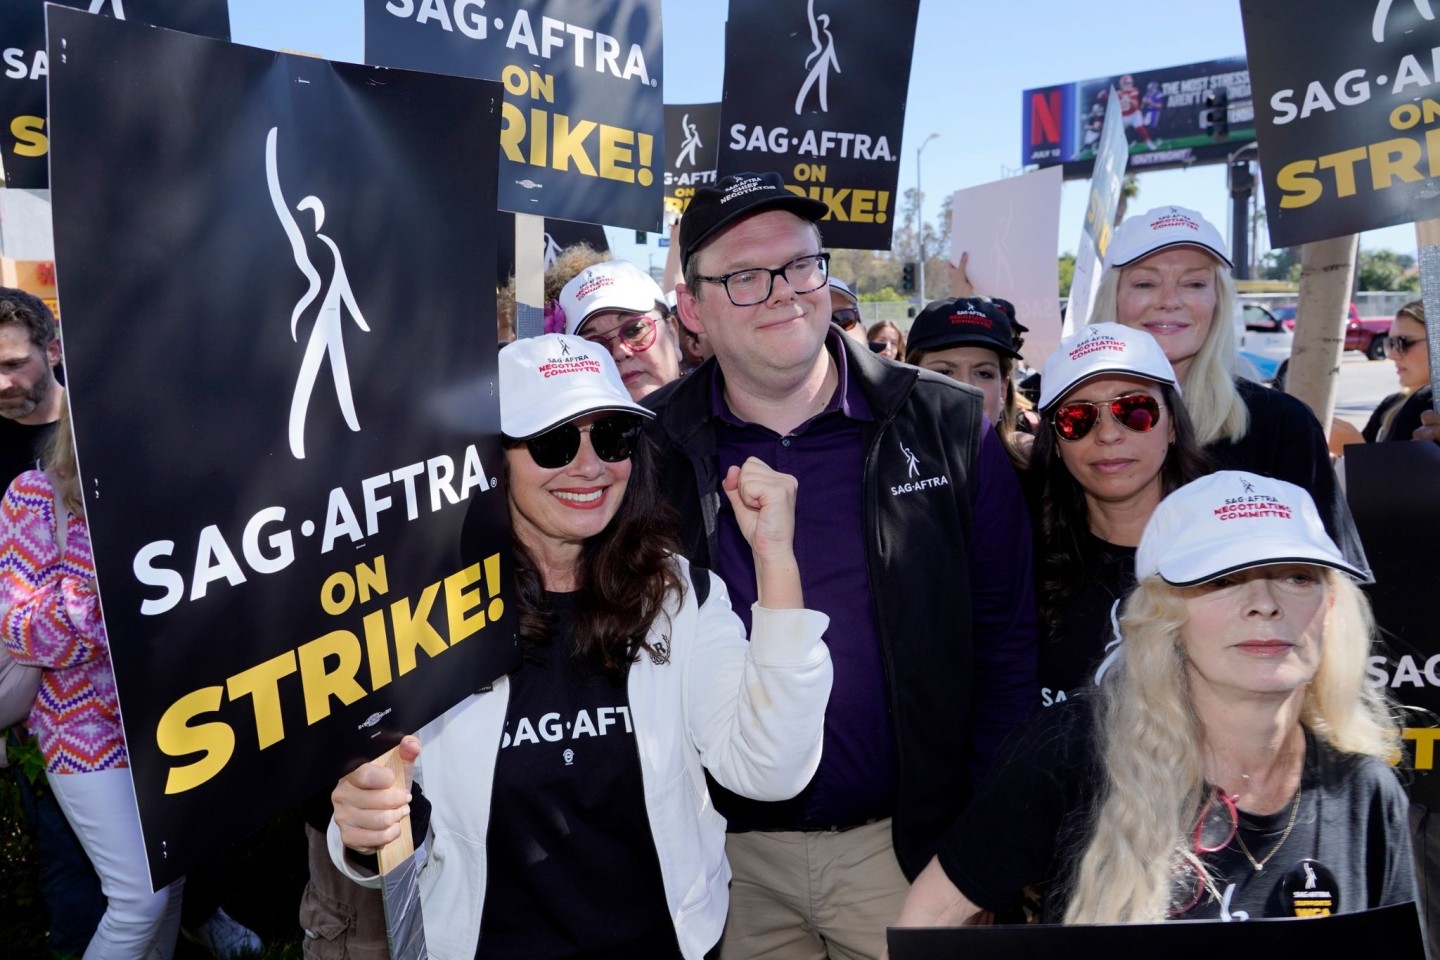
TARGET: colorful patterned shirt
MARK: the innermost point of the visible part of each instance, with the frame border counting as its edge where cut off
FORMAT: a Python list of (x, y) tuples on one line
[(50, 617)]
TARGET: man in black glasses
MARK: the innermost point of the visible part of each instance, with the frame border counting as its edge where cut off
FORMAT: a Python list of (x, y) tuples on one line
[(620, 307), (910, 534)]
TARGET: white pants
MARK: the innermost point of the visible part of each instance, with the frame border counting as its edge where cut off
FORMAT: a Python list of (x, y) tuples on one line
[(101, 809)]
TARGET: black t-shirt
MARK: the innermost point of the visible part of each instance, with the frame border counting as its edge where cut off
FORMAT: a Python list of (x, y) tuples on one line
[(1080, 642), (20, 447), (1407, 418), (1030, 822), (1285, 441), (571, 862)]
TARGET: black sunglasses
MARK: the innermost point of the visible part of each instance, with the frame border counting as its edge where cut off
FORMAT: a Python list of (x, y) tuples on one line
[(1402, 345), (614, 439), (1134, 411)]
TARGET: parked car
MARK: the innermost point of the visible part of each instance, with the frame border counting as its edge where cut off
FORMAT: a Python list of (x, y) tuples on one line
[(1363, 334), (1265, 342)]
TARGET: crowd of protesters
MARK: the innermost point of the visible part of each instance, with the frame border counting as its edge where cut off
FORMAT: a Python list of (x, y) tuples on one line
[(894, 645)]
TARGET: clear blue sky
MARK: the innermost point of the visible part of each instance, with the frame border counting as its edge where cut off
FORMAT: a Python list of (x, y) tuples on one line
[(972, 60)]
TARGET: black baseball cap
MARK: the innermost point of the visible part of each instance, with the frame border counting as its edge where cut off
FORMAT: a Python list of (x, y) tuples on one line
[(963, 321), (733, 197)]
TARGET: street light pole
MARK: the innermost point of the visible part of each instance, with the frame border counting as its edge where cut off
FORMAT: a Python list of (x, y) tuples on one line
[(920, 213)]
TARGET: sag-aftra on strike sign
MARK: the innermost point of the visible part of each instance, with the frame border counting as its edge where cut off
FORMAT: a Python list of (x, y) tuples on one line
[(1347, 110)]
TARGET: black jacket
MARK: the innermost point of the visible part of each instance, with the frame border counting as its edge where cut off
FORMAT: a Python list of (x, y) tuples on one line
[(953, 696)]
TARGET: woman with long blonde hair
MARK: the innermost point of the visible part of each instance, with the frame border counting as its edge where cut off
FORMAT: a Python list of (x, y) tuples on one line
[(1168, 272), (1232, 764)]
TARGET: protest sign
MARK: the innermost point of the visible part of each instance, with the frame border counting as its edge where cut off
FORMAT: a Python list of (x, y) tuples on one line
[(1165, 113), (1010, 229), (1347, 114), (1099, 217), (815, 90), (691, 149), (557, 235), (24, 140), (281, 366), (1390, 488), (582, 125), (1343, 934)]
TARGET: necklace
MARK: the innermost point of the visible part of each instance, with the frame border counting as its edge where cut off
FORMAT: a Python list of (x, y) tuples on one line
[(1260, 864)]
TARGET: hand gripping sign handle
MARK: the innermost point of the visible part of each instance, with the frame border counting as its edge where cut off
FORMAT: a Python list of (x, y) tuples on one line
[(400, 873)]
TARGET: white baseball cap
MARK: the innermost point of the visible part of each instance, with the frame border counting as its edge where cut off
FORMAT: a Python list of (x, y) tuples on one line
[(1231, 521), (841, 287), (611, 285), (1163, 227), (548, 380), (1100, 349)]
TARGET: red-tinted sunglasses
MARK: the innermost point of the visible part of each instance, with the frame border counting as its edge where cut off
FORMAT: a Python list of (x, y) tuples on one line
[(1134, 411)]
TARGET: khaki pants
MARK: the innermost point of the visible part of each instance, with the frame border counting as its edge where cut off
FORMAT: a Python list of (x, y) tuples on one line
[(806, 896)]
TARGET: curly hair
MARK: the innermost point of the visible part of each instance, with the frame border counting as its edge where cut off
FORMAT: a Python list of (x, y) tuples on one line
[(1214, 404), (1064, 515), (19, 307), (1151, 743), (626, 573)]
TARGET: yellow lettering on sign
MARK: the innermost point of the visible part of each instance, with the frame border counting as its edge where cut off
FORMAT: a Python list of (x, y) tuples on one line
[(30, 139), (329, 666)]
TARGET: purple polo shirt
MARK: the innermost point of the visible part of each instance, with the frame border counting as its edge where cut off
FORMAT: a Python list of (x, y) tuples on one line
[(857, 776)]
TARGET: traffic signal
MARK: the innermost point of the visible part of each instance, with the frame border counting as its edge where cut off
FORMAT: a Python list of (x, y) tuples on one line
[(1217, 114), (907, 278)]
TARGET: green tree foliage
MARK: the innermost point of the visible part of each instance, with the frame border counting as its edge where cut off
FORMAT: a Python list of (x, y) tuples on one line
[(1386, 270), (1067, 272)]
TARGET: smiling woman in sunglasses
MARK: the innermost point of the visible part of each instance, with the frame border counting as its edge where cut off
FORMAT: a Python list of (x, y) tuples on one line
[(568, 809), (1115, 439), (1398, 415), (1233, 762)]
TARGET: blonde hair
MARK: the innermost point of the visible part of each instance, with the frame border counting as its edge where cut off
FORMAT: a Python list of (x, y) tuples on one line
[(1150, 741), (58, 462), (1216, 410)]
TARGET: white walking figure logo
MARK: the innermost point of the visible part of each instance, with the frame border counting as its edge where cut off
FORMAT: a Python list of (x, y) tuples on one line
[(552, 251), (912, 460), (327, 335), (1310, 878), (692, 140), (116, 6), (1382, 12), (820, 61)]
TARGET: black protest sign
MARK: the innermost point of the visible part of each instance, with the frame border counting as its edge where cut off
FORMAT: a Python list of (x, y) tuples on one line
[(815, 90), (691, 150), (1391, 490), (283, 377), (582, 124), (1347, 114), (24, 139), (558, 235)]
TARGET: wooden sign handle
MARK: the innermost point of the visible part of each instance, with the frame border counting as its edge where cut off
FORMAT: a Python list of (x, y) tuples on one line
[(397, 851)]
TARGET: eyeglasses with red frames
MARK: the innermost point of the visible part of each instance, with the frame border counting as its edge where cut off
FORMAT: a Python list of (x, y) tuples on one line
[(614, 439), (1215, 829), (637, 333), (1073, 421)]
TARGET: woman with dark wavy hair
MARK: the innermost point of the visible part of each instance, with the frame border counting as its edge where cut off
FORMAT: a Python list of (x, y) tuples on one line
[(565, 810), (1115, 440)]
